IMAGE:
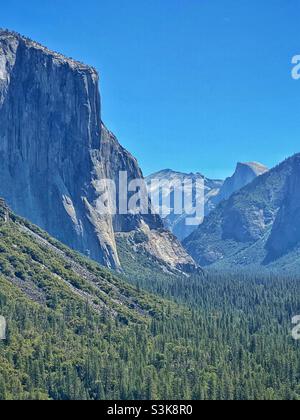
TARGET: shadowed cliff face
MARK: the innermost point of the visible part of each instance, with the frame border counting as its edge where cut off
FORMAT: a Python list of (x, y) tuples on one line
[(50, 128), (285, 234), (54, 149)]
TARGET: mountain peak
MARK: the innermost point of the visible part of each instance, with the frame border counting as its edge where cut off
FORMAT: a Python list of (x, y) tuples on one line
[(244, 174), (256, 167), (170, 173), (167, 177)]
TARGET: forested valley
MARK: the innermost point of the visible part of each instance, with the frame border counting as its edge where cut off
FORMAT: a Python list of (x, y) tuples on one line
[(71, 336)]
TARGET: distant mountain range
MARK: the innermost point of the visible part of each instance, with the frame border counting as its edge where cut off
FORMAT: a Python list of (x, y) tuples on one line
[(214, 191), (177, 223), (258, 226)]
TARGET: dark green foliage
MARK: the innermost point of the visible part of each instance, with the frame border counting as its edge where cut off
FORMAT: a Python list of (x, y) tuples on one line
[(77, 331), (140, 238)]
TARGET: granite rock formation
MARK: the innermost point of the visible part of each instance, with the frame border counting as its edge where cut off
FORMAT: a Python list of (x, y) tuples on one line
[(243, 175), (54, 149)]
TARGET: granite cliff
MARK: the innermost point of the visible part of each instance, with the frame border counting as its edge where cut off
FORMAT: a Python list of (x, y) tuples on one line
[(54, 149), (243, 175)]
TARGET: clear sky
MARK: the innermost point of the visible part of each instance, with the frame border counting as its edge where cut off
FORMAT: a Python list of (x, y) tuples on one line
[(192, 85)]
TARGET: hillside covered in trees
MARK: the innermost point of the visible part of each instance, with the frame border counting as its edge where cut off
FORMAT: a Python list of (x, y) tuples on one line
[(78, 331)]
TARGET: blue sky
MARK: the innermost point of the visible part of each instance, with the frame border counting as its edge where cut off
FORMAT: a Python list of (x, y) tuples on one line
[(192, 85)]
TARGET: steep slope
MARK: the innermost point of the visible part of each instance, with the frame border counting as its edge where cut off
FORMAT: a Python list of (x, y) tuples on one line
[(244, 174), (258, 226), (177, 222), (44, 269), (54, 149)]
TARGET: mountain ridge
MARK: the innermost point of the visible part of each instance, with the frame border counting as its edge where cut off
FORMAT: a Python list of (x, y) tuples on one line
[(176, 223), (215, 191), (249, 229)]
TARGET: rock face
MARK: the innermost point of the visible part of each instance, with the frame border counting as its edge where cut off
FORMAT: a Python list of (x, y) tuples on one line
[(259, 226), (244, 174), (54, 149), (285, 234)]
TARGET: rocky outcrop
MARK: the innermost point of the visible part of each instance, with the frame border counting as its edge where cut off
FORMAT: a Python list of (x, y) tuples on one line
[(54, 149), (161, 246)]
